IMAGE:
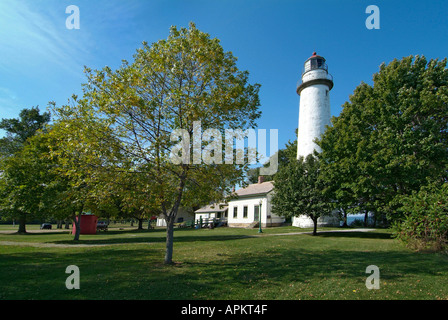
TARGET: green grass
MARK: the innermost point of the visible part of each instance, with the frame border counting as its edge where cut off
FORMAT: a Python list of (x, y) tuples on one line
[(224, 263)]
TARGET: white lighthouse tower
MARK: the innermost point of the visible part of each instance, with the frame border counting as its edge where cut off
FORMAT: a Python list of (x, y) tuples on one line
[(314, 112), (314, 115)]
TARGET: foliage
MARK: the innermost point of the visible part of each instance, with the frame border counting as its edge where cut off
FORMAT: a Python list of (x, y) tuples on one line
[(425, 225), (299, 190), (19, 130), (24, 182), (390, 139), (122, 126), (22, 173)]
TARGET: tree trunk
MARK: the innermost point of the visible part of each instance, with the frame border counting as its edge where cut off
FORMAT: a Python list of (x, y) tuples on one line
[(170, 218), (77, 222), (366, 218), (140, 224), (22, 223), (169, 240), (315, 226)]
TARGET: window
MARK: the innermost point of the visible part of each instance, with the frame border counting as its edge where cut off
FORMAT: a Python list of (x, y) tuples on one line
[(256, 212), (245, 212), (235, 212), (320, 63), (315, 63)]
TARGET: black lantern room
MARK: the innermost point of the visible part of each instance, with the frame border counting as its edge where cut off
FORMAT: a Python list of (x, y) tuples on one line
[(315, 62)]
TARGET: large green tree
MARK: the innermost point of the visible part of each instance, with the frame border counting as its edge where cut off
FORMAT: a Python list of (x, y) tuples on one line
[(21, 171), (84, 153), (18, 130), (171, 85), (391, 138), (299, 190), (425, 222), (23, 182)]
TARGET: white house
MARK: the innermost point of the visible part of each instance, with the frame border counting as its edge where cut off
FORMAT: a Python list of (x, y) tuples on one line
[(304, 221), (214, 210), (253, 204), (183, 214)]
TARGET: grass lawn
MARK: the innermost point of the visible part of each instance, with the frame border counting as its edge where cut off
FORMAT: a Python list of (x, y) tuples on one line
[(223, 263)]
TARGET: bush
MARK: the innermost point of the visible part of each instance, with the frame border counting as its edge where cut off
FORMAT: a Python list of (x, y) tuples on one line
[(425, 226)]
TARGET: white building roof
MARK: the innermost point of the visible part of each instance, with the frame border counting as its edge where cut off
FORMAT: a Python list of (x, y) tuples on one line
[(214, 207), (255, 189)]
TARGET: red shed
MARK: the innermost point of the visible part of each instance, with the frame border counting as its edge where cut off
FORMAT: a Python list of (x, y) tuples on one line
[(88, 224)]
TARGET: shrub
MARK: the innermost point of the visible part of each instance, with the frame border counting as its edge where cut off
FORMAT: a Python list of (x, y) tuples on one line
[(425, 226)]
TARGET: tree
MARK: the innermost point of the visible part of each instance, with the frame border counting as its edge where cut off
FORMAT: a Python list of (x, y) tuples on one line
[(23, 182), (83, 163), (170, 87), (124, 197), (20, 168), (391, 138), (32, 185), (299, 190), (19, 130), (425, 225)]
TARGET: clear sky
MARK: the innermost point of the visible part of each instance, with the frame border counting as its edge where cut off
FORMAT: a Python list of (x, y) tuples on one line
[(41, 60)]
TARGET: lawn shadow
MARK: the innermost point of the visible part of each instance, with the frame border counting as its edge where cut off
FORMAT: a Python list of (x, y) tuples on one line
[(289, 266), (152, 239), (34, 233), (139, 273), (355, 234)]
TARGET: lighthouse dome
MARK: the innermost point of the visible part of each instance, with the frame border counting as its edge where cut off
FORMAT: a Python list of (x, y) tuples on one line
[(315, 62), (315, 71)]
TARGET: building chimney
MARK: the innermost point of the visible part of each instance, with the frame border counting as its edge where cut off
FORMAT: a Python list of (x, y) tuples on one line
[(260, 179)]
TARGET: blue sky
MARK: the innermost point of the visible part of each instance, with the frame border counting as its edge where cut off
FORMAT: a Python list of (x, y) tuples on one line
[(41, 60)]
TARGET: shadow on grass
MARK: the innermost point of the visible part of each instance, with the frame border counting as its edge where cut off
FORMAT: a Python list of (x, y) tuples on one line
[(129, 236), (139, 273), (35, 233), (153, 239), (355, 234)]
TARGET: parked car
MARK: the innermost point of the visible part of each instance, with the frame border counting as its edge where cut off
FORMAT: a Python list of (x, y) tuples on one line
[(102, 225), (45, 226)]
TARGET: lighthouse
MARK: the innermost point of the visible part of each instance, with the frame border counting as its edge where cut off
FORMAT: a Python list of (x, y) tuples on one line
[(314, 116), (314, 110)]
